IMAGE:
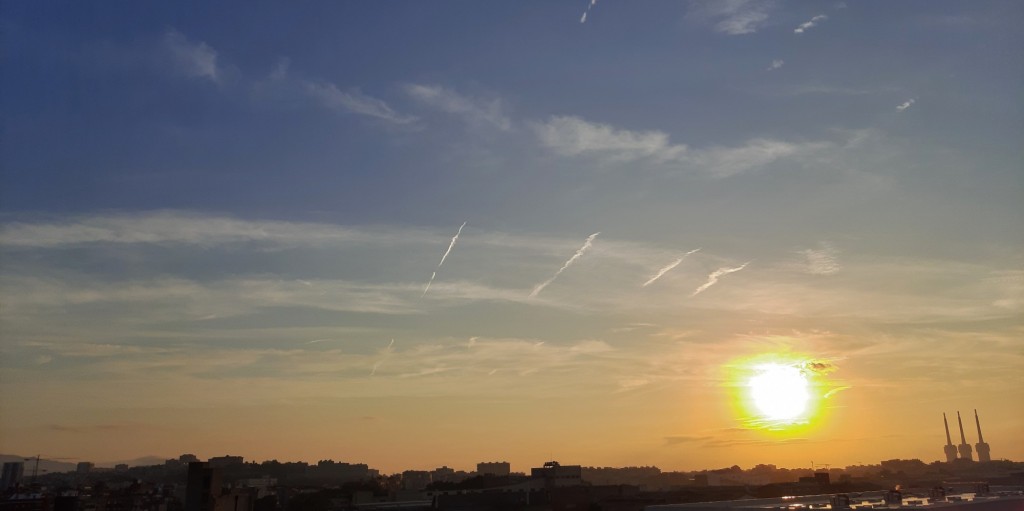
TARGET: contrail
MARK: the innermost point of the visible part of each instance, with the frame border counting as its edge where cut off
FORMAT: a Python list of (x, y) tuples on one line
[(713, 277), (583, 19), (668, 268), (586, 244), (445, 256), (379, 362)]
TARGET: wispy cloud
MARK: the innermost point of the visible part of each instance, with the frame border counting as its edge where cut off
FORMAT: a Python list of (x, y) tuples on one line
[(195, 59), (715, 275), (667, 268), (776, 64), (283, 86), (182, 227), (733, 17), (822, 260), (243, 267), (354, 101), (488, 112), (579, 253), (573, 136), (443, 257), (813, 22), (583, 19), (905, 105), (729, 161)]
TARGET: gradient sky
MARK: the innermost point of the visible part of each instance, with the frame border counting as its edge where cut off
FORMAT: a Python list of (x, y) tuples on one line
[(218, 223)]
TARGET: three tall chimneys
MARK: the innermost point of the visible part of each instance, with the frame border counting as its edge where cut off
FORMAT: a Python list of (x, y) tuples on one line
[(964, 449)]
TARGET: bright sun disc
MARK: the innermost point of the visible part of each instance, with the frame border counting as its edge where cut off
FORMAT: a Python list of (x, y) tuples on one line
[(780, 392)]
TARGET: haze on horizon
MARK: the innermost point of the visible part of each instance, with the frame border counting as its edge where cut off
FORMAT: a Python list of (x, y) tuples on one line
[(236, 229)]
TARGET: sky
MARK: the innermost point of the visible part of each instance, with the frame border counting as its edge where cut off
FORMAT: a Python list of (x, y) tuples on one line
[(414, 234)]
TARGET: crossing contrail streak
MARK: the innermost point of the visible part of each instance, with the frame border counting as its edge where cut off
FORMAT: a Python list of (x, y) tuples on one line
[(713, 277), (668, 268), (445, 256), (586, 244), (583, 19), (387, 351)]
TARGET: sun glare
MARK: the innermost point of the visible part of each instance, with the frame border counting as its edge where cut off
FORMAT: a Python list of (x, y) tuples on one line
[(779, 392)]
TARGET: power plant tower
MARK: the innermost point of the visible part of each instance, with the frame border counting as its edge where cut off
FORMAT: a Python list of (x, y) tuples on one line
[(964, 447), (983, 450), (950, 448)]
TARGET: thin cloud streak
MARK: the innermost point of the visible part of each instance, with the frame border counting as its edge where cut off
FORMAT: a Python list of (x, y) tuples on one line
[(330, 96), (579, 253), (713, 277), (668, 268), (809, 24), (443, 257), (905, 105), (576, 137), (474, 110), (734, 17), (583, 19)]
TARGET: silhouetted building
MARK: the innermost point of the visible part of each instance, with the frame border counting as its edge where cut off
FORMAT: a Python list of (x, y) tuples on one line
[(188, 458), (84, 467), (984, 453), (202, 487), (13, 473), (964, 447), (344, 472), (225, 461), (498, 468), (263, 486), (444, 474), (236, 499), (950, 449), (555, 475), (415, 479)]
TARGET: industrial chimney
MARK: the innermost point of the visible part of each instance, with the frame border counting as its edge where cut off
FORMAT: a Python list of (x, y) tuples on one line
[(950, 448), (983, 450), (964, 447)]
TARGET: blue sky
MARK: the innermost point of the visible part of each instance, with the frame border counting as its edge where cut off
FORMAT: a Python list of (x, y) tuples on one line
[(195, 195)]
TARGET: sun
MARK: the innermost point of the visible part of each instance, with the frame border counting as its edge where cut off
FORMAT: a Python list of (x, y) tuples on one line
[(780, 392)]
